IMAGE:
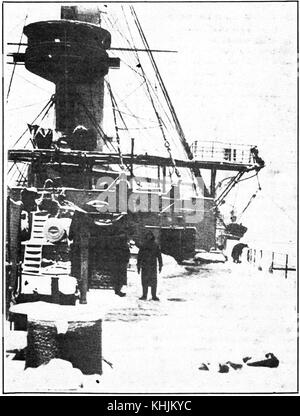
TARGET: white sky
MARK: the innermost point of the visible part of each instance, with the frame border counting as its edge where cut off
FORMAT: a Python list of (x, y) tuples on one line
[(233, 79)]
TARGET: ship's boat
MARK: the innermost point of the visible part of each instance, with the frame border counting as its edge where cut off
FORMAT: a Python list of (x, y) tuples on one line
[(235, 231)]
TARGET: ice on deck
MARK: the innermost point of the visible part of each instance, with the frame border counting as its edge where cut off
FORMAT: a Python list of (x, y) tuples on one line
[(215, 314)]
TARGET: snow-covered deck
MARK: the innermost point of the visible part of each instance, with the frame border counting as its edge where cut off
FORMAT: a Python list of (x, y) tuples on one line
[(219, 313)]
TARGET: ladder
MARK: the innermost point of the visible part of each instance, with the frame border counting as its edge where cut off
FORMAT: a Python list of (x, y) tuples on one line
[(32, 259), (33, 247), (38, 223)]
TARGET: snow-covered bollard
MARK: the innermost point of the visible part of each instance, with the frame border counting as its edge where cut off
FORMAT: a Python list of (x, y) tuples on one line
[(42, 345), (72, 333)]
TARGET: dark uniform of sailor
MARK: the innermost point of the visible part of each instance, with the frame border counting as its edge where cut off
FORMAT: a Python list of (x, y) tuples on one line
[(120, 258), (148, 256), (237, 252)]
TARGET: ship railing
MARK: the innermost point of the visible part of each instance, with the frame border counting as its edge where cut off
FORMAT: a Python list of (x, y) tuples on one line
[(222, 152), (267, 260)]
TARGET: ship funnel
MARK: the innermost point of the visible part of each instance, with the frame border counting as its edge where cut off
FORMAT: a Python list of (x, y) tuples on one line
[(72, 53)]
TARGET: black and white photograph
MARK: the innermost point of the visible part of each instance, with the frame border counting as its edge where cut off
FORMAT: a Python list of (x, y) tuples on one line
[(150, 199)]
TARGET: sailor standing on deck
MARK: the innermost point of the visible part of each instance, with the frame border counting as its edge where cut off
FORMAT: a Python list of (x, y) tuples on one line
[(120, 259), (148, 256)]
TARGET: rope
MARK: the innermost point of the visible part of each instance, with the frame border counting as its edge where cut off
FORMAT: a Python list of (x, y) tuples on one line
[(231, 184), (246, 207), (249, 177), (251, 198), (258, 183), (223, 180)]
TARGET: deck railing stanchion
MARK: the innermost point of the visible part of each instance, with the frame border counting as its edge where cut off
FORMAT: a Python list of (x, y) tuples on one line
[(272, 263), (286, 265)]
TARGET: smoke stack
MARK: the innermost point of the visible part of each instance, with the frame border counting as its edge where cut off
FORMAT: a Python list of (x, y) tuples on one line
[(72, 53)]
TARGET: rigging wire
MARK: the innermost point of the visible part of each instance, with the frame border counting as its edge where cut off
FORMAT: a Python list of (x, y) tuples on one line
[(235, 196), (130, 113), (258, 183), (94, 121), (194, 172), (270, 198), (129, 66), (136, 72), (10, 169), (14, 67), (249, 177), (134, 115), (156, 96), (115, 28), (23, 175), (132, 92), (128, 28), (115, 121), (15, 26), (166, 142), (115, 106), (139, 128), (250, 201), (131, 56), (236, 182), (91, 100), (280, 207), (46, 113), (161, 83), (223, 180), (231, 184), (154, 89), (49, 103), (25, 106), (21, 171), (32, 83), (96, 125)]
